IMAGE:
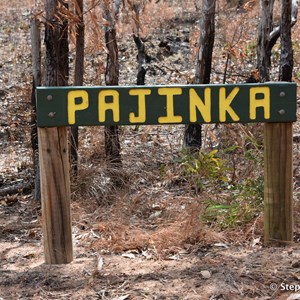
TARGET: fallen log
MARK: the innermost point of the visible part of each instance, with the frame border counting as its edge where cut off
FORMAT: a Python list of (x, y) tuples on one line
[(16, 188)]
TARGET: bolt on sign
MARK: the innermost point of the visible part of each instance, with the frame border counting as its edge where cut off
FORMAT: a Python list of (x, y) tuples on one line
[(182, 104)]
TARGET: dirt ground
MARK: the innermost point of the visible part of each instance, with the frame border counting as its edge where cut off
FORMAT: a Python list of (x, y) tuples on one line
[(217, 270), (142, 239)]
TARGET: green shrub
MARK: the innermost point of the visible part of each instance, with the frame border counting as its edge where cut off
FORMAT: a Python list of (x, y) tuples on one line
[(202, 167), (244, 203)]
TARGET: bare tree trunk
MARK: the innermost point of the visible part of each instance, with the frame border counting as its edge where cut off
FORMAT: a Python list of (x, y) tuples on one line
[(78, 80), (79, 62), (141, 57), (193, 134), (275, 34), (36, 65), (112, 142), (57, 48), (63, 51), (286, 56), (263, 43), (206, 43), (141, 60), (55, 43)]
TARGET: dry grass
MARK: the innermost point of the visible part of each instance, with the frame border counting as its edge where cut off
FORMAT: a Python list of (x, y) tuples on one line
[(159, 235)]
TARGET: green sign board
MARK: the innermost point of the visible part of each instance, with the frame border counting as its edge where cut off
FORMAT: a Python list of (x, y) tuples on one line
[(181, 104)]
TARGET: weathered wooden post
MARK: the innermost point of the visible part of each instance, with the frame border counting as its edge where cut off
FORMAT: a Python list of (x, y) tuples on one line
[(55, 192), (278, 177), (278, 189)]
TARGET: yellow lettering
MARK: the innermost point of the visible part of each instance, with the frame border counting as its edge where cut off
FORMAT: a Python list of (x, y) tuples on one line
[(263, 102), (203, 107), (73, 107), (141, 117), (103, 106), (170, 117), (224, 104)]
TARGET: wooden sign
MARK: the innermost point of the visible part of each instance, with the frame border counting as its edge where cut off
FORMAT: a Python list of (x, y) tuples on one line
[(57, 107), (183, 104)]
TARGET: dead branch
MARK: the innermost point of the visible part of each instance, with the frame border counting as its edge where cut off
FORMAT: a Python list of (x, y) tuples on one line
[(20, 187), (275, 33)]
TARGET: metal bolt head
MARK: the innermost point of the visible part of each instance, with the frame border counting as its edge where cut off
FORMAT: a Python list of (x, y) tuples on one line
[(52, 114), (281, 111), (282, 94), (49, 97)]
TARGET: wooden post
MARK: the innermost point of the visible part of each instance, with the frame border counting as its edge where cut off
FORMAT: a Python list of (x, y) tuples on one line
[(55, 192), (278, 190)]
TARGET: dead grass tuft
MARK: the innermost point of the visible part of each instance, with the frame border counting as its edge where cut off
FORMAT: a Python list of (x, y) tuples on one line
[(159, 237), (100, 184)]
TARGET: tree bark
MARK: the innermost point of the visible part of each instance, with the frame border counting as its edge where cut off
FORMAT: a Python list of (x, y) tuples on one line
[(286, 56), (63, 51), (206, 42), (112, 142), (275, 34), (263, 43), (193, 132), (36, 66), (78, 78), (141, 60)]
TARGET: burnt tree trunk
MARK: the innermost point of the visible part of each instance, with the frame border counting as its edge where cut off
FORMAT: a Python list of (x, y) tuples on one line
[(286, 56), (36, 66), (263, 43), (112, 142), (57, 48), (275, 34), (193, 134), (206, 42), (63, 51), (141, 57), (78, 78), (141, 60)]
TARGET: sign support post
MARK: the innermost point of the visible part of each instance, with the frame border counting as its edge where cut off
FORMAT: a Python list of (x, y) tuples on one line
[(278, 183), (56, 196)]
